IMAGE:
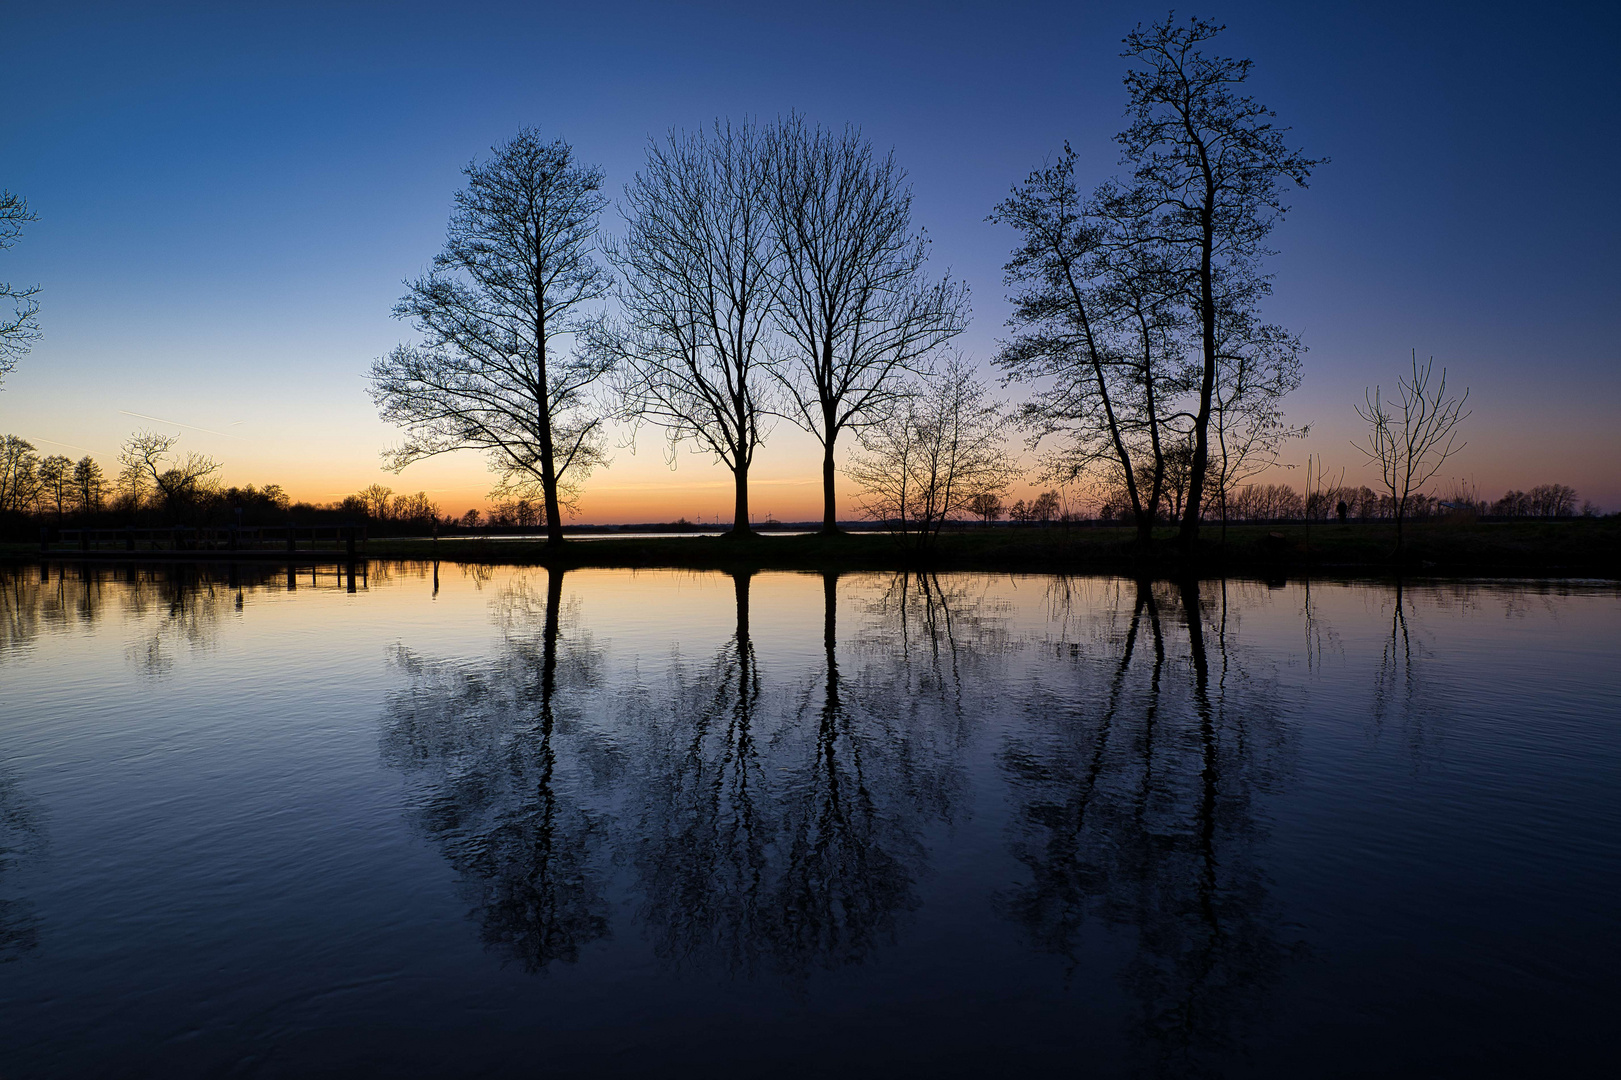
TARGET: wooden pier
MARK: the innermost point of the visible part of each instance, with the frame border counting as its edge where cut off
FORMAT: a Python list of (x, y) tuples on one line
[(298, 542)]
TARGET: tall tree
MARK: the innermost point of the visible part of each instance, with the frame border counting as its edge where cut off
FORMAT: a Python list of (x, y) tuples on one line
[(1212, 166), (18, 328), (489, 375), (1098, 332), (19, 474), (89, 485), (852, 299), (695, 292), (56, 484)]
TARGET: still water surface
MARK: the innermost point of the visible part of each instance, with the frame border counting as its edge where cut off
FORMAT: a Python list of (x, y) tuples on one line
[(464, 821)]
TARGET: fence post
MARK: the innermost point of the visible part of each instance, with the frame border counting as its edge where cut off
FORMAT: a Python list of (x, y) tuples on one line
[(44, 538), (129, 539), (349, 542), (292, 538)]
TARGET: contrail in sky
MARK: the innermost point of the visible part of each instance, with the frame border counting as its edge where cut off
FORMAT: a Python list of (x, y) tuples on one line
[(177, 423), (69, 445)]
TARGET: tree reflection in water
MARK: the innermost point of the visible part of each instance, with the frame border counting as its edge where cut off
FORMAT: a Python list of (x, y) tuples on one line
[(702, 806), (767, 827), (20, 839), (774, 829), (779, 823), (1135, 801), (485, 739)]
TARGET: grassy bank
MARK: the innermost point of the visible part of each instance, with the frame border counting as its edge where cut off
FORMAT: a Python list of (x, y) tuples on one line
[(1579, 548), (1549, 548)]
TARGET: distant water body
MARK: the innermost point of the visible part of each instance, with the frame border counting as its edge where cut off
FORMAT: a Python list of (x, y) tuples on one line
[(493, 821)]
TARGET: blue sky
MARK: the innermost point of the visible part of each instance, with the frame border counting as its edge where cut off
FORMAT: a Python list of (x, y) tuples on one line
[(230, 195)]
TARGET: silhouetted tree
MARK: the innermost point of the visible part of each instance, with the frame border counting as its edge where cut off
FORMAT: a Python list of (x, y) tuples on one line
[(695, 294), (1553, 500), (417, 509), (935, 453), (1097, 332), (56, 483), (488, 374), (89, 485), (376, 501), (851, 296), (1044, 507), (1208, 165), (987, 506), (1411, 437), (1259, 365), (150, 457), (19, 474), (18, 328)]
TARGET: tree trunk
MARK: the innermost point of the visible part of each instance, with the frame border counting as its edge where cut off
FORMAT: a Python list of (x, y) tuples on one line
[(740, 514), (1207, 389), (548, 462), (1145, 527), (740, 583), (830, 514)]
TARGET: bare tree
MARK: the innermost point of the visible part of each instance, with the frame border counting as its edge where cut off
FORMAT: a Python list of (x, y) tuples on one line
[(89, 485), (1259, 365), (151, 458), (1553, 500), (695, 293), (377, 501), (1045, 507), (18, 328), (488, 375), (1411, 437), (19, 474), (56, 483), (852, 299), (1210, 164), (987, 506), (937, 454), (417, 509)]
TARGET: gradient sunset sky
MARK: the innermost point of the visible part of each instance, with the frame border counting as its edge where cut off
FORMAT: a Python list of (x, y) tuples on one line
[(230, 195)]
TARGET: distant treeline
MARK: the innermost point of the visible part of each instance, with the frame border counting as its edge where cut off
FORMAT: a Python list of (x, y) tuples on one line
[(156, 485)]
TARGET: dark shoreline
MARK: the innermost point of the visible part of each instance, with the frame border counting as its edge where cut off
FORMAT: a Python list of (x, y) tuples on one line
[(1574, 548)]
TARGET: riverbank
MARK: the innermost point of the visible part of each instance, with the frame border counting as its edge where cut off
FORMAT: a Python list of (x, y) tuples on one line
[(1584, 548), (1570, 548)]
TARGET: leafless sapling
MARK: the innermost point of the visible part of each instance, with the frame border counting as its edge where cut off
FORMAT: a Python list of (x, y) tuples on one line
[(1411, 436), (934, 456)]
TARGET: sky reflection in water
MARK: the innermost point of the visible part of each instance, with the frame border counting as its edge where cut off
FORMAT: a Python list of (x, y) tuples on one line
[(477, 819)]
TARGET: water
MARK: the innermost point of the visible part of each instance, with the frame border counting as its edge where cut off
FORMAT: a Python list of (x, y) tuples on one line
[(485, 822)]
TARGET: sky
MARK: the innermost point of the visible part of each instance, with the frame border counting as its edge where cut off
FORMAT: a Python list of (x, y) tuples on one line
[(230, 197)]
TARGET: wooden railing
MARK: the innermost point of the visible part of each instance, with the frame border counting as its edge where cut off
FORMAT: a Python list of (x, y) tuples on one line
[(347, 540)]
